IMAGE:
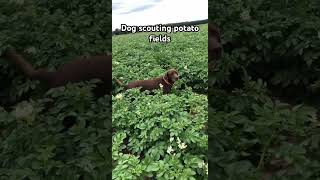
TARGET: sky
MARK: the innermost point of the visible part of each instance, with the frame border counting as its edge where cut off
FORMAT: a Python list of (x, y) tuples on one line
[(151, 12)]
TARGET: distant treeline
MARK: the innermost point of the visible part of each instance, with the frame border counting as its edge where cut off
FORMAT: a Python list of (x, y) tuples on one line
[(187, 23)]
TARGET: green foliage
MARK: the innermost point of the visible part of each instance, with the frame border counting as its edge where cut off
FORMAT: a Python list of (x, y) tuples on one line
[(276, 40), (187, 53), (160, 136), (34, 143), (268, 46), (51, 33), (148, 126), (259, 134)]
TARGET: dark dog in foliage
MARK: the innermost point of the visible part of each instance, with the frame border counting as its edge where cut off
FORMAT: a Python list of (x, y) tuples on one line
[(165, 81), (80, 69), (215, 49)]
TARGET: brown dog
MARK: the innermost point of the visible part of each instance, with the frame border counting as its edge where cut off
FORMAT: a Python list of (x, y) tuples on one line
[(165, 81), (80, 69)]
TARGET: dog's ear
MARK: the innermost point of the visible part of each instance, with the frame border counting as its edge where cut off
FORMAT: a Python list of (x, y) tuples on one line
[(175, 71), (166, 76)]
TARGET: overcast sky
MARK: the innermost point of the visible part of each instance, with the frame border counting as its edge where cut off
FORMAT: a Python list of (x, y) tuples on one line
[(151, 12)]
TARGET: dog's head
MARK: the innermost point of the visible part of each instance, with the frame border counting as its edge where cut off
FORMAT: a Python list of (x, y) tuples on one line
[(172, 75), (214, 45)]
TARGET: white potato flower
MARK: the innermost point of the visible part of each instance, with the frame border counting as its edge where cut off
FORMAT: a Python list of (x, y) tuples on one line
[(170, 150), (182, 146), (119, 96)]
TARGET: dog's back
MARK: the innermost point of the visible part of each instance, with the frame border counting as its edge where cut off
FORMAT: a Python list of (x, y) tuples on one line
[(166, 82), (149, 84), (81, 69)]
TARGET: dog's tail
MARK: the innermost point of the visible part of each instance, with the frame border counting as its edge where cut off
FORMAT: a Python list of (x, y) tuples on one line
[(120, 83), (25, 66), (20, 62)]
